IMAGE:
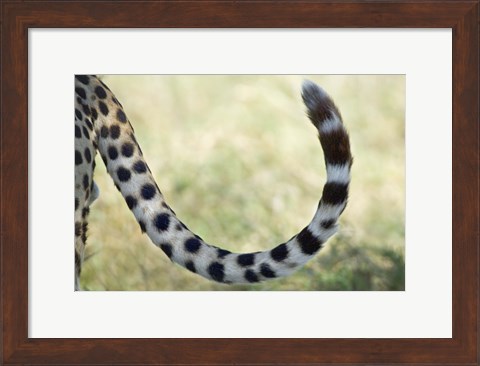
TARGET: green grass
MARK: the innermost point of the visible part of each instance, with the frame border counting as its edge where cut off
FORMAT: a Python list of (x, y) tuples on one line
[(239, 162)]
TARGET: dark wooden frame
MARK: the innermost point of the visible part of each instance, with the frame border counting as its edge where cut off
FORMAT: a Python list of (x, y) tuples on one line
[(18, 17)]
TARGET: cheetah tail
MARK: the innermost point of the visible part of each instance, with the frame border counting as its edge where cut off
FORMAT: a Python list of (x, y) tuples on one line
[(125, 163)]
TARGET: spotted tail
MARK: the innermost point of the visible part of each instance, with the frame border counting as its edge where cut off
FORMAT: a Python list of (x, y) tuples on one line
[(126, 165)]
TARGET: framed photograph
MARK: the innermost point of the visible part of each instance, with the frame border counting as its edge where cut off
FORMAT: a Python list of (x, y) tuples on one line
[(208, 104)]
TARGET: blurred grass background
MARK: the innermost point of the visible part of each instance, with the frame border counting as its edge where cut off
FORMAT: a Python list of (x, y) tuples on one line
[(241, 165)]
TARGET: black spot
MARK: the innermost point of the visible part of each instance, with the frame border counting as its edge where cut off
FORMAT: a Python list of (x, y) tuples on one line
[(162, 221), (88, 155), (78, 158), (85, 181), (327, 224), (246, 259), (78, 114), (114, 132), (309, 244), (142, 226), (191, 266), (85, 132), (334, 193), (121, 116), (84, 79), (123, 174), (104, 131), (78, 229), (266, 271), (192, 245), (84, 232), (85, 212), (279, 253), (100, 92), (81, 92), (112, 152), (89, 124), (103, 108), (78, 133), (250, 276), (76, 204), (216, 271), (167, 249), (86, 109), (140, 167), (127, 149), (94, 114), (221, 253), (131, 202), (179, 227), (148, 191)]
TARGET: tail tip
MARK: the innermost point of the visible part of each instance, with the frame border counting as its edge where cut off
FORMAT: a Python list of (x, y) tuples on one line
[(319, 104), (313, 95)]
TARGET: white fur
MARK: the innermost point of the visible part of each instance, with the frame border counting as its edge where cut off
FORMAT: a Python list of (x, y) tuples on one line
[(338, 173), (330, 125), (327, 212)]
